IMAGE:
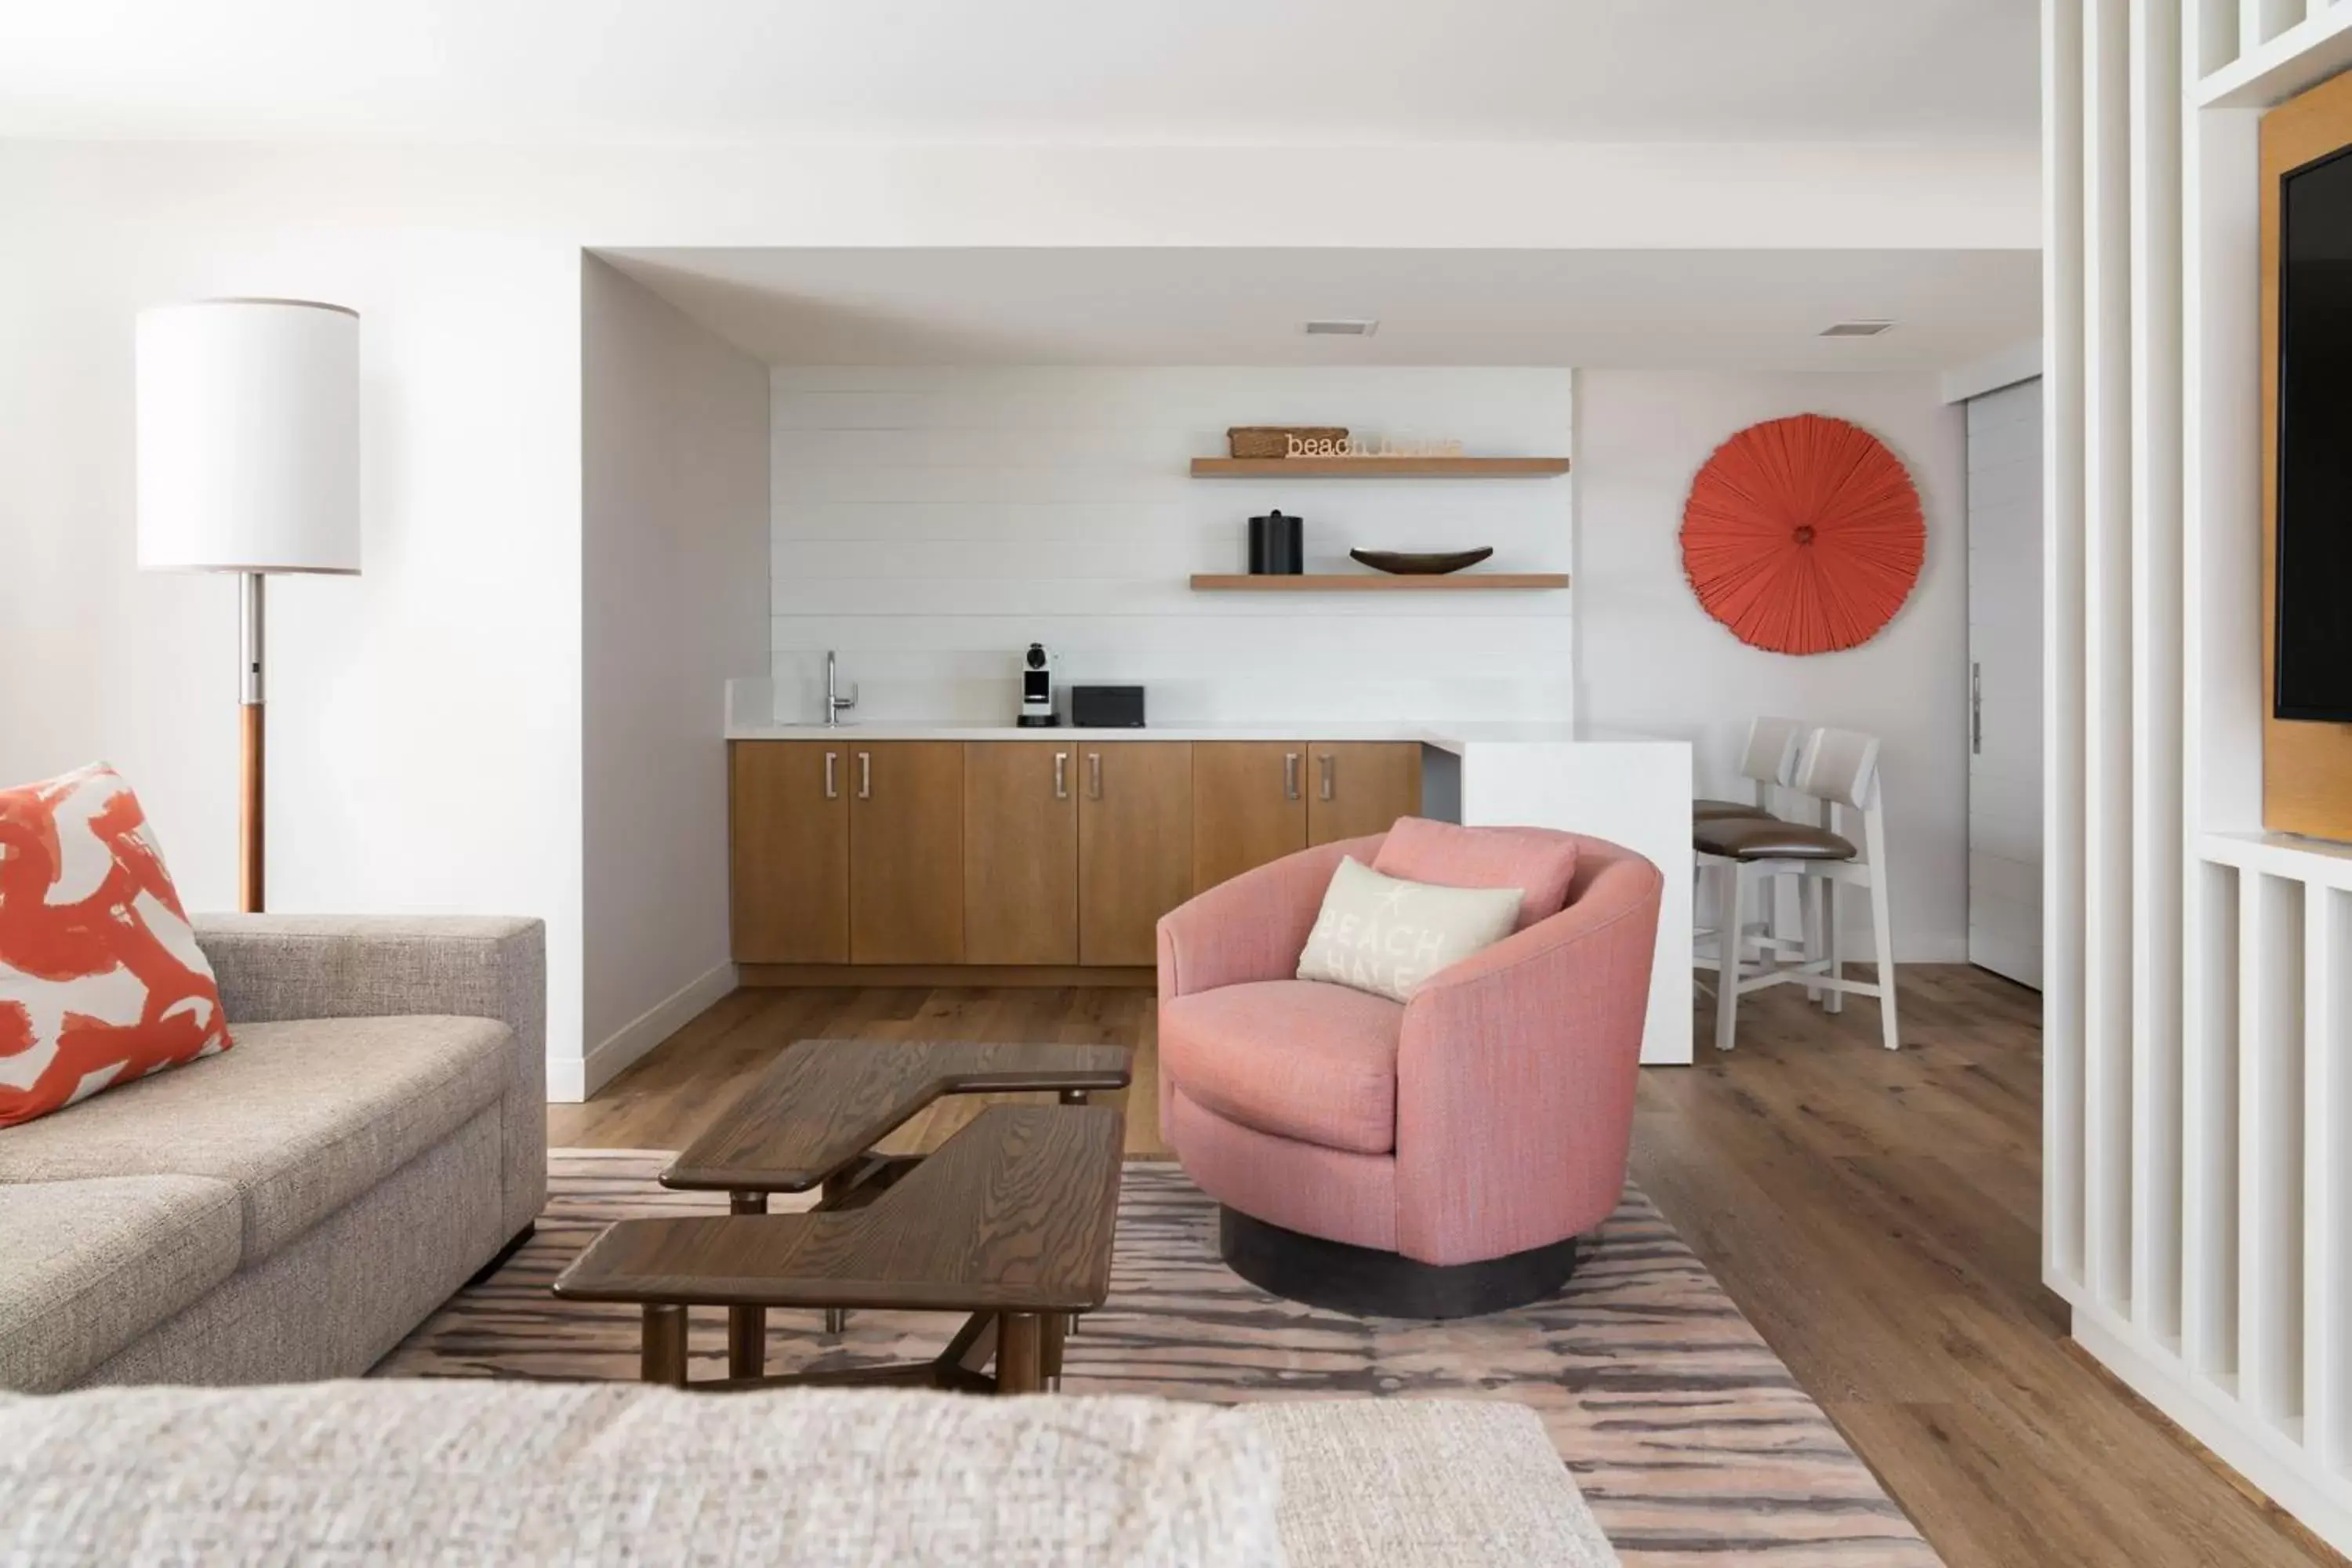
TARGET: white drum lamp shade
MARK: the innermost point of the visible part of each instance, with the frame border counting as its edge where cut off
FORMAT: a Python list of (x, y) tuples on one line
[(249, 462), (249, 436)]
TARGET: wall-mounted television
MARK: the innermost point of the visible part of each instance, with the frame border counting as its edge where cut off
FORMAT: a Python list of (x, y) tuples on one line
[(2313, 663)]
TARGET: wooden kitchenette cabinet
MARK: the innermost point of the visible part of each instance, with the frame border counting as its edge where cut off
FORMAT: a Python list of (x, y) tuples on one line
[(1249, 807), (1356, 787), (846, 854), (1036, 854), (788, 851), (1135, 847), (1255, 801), (1072, 854), (906, 852), (1020, 853)]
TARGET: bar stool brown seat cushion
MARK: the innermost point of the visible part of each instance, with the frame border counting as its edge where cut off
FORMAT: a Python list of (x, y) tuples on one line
[(1768, 839), (1709, 810)]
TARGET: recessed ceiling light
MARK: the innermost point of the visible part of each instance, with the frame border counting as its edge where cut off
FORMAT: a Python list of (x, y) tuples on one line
[(1342, 328), (1856, 329)]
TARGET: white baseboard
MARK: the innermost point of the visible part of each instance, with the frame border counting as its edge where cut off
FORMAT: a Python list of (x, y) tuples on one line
[(571, 1080), (2282, 1469)]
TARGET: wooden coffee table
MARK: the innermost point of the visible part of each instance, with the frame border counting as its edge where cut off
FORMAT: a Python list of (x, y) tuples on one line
[(1010, 1220)]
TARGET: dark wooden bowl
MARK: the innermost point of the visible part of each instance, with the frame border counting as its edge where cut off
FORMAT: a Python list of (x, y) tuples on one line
[(1406, 563)]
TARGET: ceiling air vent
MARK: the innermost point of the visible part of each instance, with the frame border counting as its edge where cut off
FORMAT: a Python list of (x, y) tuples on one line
[(1341, 328), (1856, 329)]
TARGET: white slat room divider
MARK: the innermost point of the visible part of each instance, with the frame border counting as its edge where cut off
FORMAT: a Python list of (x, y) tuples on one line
[(2156, 668), (2198, 1010), (2064, 688)]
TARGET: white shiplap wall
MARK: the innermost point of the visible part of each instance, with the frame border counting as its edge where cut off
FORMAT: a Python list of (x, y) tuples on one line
[(2198, 971), (930, 523)]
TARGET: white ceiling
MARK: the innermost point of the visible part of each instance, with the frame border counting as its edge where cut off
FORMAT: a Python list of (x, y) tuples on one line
[(1245, 71), (1756, 309)]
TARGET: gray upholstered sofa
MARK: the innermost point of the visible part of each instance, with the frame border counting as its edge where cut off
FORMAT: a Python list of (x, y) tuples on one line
[(290, 1209)]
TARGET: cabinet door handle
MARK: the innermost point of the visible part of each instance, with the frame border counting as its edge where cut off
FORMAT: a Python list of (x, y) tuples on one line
[(832, 777), (1061, 775), (866, 775), (1325, 764), (1094, 775), (1290, 776), (1976, 709)]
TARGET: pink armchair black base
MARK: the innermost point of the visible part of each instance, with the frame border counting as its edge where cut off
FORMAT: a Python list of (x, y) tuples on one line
[(1365, 1283), (1431, 1159)]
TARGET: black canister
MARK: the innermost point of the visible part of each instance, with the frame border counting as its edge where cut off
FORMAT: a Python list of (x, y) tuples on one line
[(1277, 546)]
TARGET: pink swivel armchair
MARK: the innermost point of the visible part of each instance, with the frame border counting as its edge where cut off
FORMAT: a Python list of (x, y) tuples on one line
[(1431, 1159)]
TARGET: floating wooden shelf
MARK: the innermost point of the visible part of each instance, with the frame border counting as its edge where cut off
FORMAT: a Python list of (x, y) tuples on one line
[(1377, 468), (1375, 583)]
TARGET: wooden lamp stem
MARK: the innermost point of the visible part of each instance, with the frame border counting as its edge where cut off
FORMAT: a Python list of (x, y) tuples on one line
[(249, 793)]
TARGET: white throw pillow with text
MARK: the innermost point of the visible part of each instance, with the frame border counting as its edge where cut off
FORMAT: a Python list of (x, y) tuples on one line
[(1387, 936)]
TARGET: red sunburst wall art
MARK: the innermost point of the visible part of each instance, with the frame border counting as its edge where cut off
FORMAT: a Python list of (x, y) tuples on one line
[(1804, 535)]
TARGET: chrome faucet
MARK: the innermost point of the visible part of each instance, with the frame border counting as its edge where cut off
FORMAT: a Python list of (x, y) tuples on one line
[(833, 705)]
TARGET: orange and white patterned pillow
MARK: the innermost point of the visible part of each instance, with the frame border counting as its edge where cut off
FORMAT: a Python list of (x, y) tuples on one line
[(100, 978)]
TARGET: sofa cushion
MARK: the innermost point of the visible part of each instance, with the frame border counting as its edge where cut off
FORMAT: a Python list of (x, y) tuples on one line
[(1294, 1057), (381, 1475), (1538, 861), (300, 1119), (87, 1267), (101, 982)]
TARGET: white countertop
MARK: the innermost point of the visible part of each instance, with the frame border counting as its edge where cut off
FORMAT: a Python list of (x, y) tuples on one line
[(1448, 737)]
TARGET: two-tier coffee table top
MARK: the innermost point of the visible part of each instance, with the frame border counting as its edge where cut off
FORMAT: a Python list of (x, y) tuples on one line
[(1014, 1213), (822, 1104), (1010, 1220)]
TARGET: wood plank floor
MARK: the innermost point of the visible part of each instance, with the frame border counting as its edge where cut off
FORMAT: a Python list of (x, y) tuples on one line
[(1877, 1215), (665, 1099)]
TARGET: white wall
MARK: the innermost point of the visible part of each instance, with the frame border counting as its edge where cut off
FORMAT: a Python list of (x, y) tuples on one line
[(424, 716), (930, 523), (673, 569), (1648, 658)]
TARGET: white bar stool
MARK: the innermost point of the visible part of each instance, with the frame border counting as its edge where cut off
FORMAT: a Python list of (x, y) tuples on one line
[(1769, 762), (1839, 768)]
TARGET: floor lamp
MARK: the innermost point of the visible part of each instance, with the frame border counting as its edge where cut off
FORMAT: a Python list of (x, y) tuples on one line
[(249, 462)]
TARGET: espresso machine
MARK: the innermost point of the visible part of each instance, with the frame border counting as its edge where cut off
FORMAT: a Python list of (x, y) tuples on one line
[(1037, 667)]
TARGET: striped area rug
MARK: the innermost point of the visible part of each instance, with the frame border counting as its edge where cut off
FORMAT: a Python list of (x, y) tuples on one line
[(1685, 1432)]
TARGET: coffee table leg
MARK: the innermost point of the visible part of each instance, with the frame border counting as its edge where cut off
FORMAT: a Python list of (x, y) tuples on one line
[(747, 1342), (1020, 1344), (747, 1327), (836, 1319), (663, 1359), (1069, 1321), (1052, 1328)]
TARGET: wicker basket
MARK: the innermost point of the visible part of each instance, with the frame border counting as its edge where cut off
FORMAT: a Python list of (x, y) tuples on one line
[(1274, 440)]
